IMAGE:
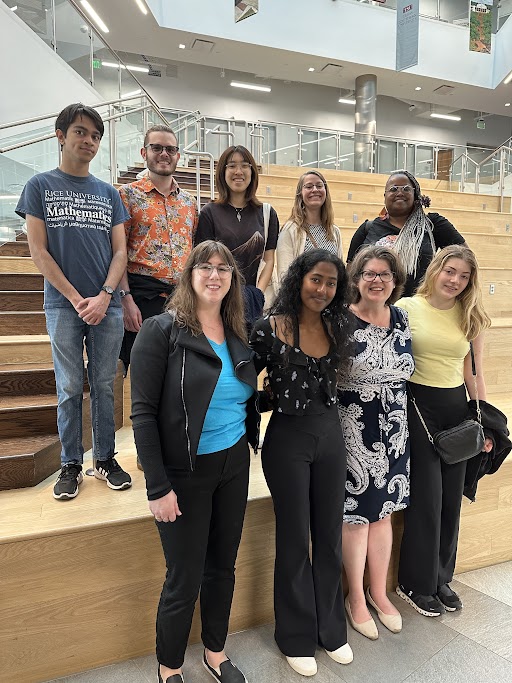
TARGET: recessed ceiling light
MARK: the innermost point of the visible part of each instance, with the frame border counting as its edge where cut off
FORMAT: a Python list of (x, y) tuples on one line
[(418, 87), (251, 86), (345, 100), (141, 6), (507, 104), (447, 117), (311, 68), (94, 16), (181, 46), (508, 79), (130, 67), (13, 9)]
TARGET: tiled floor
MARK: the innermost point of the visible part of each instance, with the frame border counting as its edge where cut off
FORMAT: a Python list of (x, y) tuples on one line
[(472, 646)]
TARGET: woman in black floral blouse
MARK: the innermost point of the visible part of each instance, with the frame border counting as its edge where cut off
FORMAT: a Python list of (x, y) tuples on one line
[(304, 344)]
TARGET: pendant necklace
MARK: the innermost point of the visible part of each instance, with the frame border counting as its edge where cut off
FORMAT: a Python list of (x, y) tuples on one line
[(238, 212)]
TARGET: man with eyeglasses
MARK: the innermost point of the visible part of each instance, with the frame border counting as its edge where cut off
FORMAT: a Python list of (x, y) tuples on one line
[(159, 233)]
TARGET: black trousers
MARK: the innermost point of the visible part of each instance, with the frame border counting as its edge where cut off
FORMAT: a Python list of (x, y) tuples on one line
[(200, 550), (431, 522), (304, 462)]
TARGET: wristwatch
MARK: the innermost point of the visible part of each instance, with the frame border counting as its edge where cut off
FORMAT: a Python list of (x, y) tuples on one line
[(124, 292), (107, 289)]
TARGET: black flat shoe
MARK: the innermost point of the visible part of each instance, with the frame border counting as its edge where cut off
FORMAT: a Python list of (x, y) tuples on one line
[(229, 672), (175, 678), (449, 598)]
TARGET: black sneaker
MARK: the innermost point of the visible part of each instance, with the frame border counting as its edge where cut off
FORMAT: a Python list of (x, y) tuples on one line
[(66, 485), (229, 673), (111, 472), (449, 598), (428, 605)]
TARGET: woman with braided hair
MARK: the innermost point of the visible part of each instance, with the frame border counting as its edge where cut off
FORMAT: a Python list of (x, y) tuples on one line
[(404, 226)]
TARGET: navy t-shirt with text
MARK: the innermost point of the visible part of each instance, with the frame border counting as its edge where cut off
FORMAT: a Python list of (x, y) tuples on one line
[(79, 213)]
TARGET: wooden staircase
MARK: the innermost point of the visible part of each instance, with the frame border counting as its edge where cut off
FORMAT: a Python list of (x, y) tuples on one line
[(29, 442)]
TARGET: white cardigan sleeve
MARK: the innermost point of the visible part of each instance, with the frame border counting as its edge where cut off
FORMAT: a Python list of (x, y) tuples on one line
[(286, 250)]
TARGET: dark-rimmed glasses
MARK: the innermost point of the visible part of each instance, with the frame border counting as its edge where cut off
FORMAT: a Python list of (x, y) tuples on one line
[(206, 269), (171, 150), (370, 276)]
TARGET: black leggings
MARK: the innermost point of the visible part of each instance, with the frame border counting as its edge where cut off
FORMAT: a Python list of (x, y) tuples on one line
[(200, 550), (304, 462), (431, 522)]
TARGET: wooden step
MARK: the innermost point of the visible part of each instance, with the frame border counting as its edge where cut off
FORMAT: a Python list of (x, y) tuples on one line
[(14, 249), (27, 460), (26, 322), (25, 349), (17, 264), (28, 415), (21, 237), (11, 282), (21, 301), (26, 379)]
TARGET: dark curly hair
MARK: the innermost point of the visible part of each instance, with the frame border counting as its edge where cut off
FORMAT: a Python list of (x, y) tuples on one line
[(288, 302)]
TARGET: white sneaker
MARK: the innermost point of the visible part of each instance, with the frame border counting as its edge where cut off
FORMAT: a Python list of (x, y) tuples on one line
[(343, 655), (305, 666)]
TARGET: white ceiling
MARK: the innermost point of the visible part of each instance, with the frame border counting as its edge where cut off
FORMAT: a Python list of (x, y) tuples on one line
[(135, 34)]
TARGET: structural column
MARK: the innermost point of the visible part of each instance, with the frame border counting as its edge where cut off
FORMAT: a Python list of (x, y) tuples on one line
[(365, 123)]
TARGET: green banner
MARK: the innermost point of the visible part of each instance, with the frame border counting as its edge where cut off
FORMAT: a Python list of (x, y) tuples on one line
[(245, 9), (480, 26)]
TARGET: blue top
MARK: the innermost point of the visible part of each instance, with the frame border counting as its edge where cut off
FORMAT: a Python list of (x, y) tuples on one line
[(79, 213), (224, 424)]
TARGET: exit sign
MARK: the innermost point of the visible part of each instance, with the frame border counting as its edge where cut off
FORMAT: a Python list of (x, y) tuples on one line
[(96, 63)]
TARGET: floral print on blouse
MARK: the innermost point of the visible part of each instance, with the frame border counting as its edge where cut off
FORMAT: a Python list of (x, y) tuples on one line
[(300, 384)]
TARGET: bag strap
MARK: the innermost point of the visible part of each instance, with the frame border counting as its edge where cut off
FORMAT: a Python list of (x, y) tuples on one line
[(266, 221), (478, 413)]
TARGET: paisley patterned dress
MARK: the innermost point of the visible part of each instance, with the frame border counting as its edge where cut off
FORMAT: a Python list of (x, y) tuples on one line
[(373, 413)]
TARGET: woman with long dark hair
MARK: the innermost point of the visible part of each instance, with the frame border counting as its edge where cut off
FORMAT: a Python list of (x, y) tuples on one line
[(304, 344), (193, 411), (404, 226), (246, 226)]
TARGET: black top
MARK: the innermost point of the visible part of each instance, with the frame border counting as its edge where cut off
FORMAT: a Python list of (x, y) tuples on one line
[(382, 233), (245, 238), (300, 384)]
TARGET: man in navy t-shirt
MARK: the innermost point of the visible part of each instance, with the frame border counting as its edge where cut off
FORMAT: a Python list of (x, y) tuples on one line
[(75, 225)]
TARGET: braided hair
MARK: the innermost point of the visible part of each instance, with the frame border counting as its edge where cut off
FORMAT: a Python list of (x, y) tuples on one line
[(410, 238)]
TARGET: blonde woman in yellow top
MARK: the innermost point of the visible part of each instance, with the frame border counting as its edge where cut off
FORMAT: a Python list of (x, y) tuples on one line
[(311, 223), (444, 316)]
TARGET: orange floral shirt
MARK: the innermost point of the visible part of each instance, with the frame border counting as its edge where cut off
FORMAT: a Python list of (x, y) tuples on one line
[(160, 231)]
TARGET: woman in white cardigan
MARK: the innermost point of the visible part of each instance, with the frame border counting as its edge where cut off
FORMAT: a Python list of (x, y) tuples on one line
[(311, 224)]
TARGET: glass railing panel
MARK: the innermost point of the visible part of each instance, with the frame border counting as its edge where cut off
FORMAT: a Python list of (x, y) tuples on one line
[(327, 150), (73, 38), (309, 148), (386, 156), (455, 175), (286, 151), (490, 176), (106, 78), (425, 162), (346, 152), (130, 138), (507, 169), (36, 16)]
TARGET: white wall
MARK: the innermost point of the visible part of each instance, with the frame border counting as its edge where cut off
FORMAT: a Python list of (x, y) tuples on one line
[(34, 79), (202, 88), (333, 30)]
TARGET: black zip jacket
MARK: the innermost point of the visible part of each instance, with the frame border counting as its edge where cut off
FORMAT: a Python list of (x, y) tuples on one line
[(173, 377)]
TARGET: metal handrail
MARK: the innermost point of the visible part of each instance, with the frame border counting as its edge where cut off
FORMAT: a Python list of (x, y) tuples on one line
[(465, 158), (210, 157)]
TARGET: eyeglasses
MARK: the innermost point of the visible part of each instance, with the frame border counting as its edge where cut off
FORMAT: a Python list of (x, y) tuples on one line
[(405, 188), (244, 165), (171, 150), (370, 276), (206, 269), (311, 186)]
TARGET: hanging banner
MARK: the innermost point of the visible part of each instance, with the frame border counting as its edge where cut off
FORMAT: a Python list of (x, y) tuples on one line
[(480, 26), (245, 8), (407, 33)]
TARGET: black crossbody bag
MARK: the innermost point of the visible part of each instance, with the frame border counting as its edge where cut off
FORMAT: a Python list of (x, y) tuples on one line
[(463, 441)]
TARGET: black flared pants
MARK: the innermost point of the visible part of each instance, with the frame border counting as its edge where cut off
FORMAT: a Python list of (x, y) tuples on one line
[(304, 462)]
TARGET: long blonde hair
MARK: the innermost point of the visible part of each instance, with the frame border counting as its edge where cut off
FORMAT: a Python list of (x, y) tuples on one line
[(183, 300), (298, 214), (474, 318)]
